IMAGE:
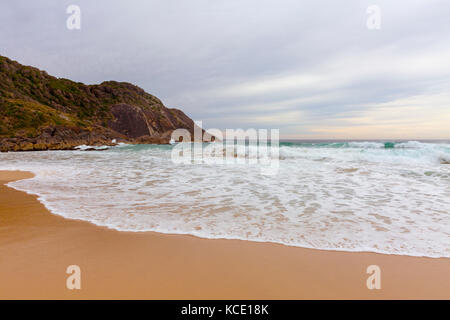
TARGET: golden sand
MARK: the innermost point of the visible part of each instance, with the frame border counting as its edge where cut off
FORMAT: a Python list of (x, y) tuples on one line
[(36, 247)]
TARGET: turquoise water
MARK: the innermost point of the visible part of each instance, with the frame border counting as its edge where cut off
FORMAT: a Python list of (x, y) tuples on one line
[(380, 196)]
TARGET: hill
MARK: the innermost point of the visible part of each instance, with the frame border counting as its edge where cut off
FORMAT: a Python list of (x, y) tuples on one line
[(42, 112)]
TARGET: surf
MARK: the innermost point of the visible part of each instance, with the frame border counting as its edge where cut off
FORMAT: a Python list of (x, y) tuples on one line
[(331, 195)]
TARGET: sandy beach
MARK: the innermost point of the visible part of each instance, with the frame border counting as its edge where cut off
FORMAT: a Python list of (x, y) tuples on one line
[(36, 247)]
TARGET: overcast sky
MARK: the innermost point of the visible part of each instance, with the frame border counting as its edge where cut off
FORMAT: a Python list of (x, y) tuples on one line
[(313, 69)]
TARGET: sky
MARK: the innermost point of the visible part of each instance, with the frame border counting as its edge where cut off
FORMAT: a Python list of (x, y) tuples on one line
[(312, 69)]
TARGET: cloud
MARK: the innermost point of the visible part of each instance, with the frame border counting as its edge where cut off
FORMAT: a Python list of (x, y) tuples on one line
[(394, 120), (312, 69)]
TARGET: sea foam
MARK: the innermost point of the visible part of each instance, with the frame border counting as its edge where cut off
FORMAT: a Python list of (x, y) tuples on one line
[(350, 196)]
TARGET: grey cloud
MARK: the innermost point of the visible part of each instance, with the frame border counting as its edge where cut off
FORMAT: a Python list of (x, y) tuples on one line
[(188, 52)]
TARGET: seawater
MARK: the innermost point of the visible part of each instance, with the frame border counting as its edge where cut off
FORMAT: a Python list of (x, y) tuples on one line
[(378, 196)]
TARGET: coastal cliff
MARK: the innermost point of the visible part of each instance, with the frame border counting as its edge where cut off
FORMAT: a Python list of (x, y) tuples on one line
[(42, 112)]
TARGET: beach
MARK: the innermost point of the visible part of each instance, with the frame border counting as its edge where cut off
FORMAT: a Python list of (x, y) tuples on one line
[(36, 247)]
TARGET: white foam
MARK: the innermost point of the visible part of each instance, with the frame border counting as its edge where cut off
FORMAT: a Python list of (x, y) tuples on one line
[(84, 147), (362, 198)]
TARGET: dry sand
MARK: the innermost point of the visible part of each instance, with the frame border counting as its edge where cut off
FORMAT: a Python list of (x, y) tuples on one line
[(36, 247)]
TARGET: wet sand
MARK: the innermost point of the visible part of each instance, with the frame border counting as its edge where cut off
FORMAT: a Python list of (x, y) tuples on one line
[(36, 247)]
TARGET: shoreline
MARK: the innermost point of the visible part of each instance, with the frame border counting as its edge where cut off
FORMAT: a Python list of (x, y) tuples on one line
[(16, 175), (39, 246)]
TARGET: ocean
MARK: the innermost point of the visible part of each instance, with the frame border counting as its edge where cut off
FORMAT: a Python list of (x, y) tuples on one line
[(388, 197)]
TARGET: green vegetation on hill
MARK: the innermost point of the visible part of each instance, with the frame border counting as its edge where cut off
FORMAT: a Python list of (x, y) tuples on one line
[(31, 101), (26, 117)]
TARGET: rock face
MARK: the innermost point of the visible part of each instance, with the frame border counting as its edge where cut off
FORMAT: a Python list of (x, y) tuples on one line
[(129, 121), (41, 112)]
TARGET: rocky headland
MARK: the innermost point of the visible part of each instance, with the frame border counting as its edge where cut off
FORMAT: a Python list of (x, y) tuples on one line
[(42, 112)]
